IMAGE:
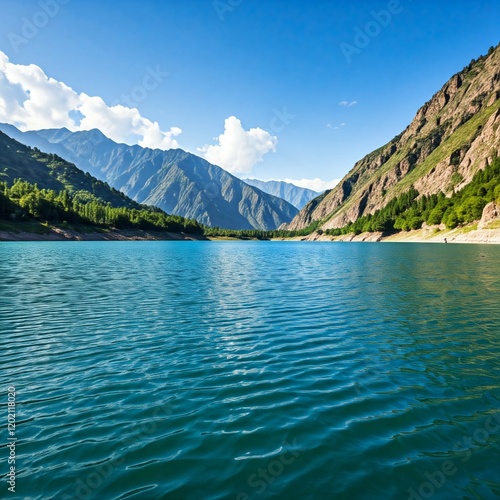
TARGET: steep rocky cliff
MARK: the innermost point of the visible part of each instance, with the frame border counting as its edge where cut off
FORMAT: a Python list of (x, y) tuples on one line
[(451, 137)]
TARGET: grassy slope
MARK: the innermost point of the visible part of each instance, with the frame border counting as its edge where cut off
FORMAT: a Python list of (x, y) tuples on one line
[(459, 138)]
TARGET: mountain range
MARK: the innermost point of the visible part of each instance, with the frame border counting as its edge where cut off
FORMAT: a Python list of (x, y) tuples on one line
[(43, 193), (176, 181), (295, 195), (452, 136)]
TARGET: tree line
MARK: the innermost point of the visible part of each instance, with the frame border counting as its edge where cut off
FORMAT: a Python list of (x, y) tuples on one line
[(24, 201)]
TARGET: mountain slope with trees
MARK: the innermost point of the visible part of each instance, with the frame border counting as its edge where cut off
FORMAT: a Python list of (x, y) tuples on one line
[(176, 181), (410, 211), (452, 136), (44, 187)]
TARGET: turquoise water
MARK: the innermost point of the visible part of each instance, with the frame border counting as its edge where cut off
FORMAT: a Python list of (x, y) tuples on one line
[(203, 370)]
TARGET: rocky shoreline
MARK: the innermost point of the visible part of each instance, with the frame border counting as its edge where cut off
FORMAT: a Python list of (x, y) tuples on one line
[(485, 231), (425, 235)]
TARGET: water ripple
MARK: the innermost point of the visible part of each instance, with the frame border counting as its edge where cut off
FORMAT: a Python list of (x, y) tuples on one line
[(252, 370)]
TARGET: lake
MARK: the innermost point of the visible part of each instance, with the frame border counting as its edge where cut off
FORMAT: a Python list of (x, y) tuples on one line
[(251, 370)]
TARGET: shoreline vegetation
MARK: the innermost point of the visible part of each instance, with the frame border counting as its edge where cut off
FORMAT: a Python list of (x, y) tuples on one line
[(467, 215)]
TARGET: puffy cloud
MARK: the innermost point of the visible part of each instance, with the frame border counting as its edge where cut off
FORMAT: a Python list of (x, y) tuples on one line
[(238, 150), (316, 184), (347, 104), (30, 100)]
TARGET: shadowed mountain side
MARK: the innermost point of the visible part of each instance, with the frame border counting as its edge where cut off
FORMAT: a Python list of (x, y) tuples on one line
[(176, 181)]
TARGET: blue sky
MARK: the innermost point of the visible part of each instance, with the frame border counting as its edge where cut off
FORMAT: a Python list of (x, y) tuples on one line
[(278, 67)]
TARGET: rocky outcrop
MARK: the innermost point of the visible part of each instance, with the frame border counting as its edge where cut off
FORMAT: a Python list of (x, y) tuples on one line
[(491, 212), (452, 136)]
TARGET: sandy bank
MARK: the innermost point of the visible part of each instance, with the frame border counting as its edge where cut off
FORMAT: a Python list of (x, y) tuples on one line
[(426, 235), (58, 234)]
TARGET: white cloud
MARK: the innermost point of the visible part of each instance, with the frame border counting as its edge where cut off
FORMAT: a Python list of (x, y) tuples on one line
[(347, 104), (317, 184), (30, 100), (337, 127), (238, 150)]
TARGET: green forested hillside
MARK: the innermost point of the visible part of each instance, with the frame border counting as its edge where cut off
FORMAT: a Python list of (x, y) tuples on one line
[(44, 187), (409, 211), (49, 171), (24, 201)]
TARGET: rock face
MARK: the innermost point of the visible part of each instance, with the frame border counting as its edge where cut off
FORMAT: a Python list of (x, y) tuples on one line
[(295, 195), (491, 212), (451, 137), (176, 181)]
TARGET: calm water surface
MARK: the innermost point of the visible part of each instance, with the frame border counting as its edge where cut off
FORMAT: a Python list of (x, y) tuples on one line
[(203, 370)]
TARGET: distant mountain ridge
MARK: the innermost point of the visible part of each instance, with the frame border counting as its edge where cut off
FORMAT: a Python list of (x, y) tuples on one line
[(452, 136), (175, 181), (295, 195)]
